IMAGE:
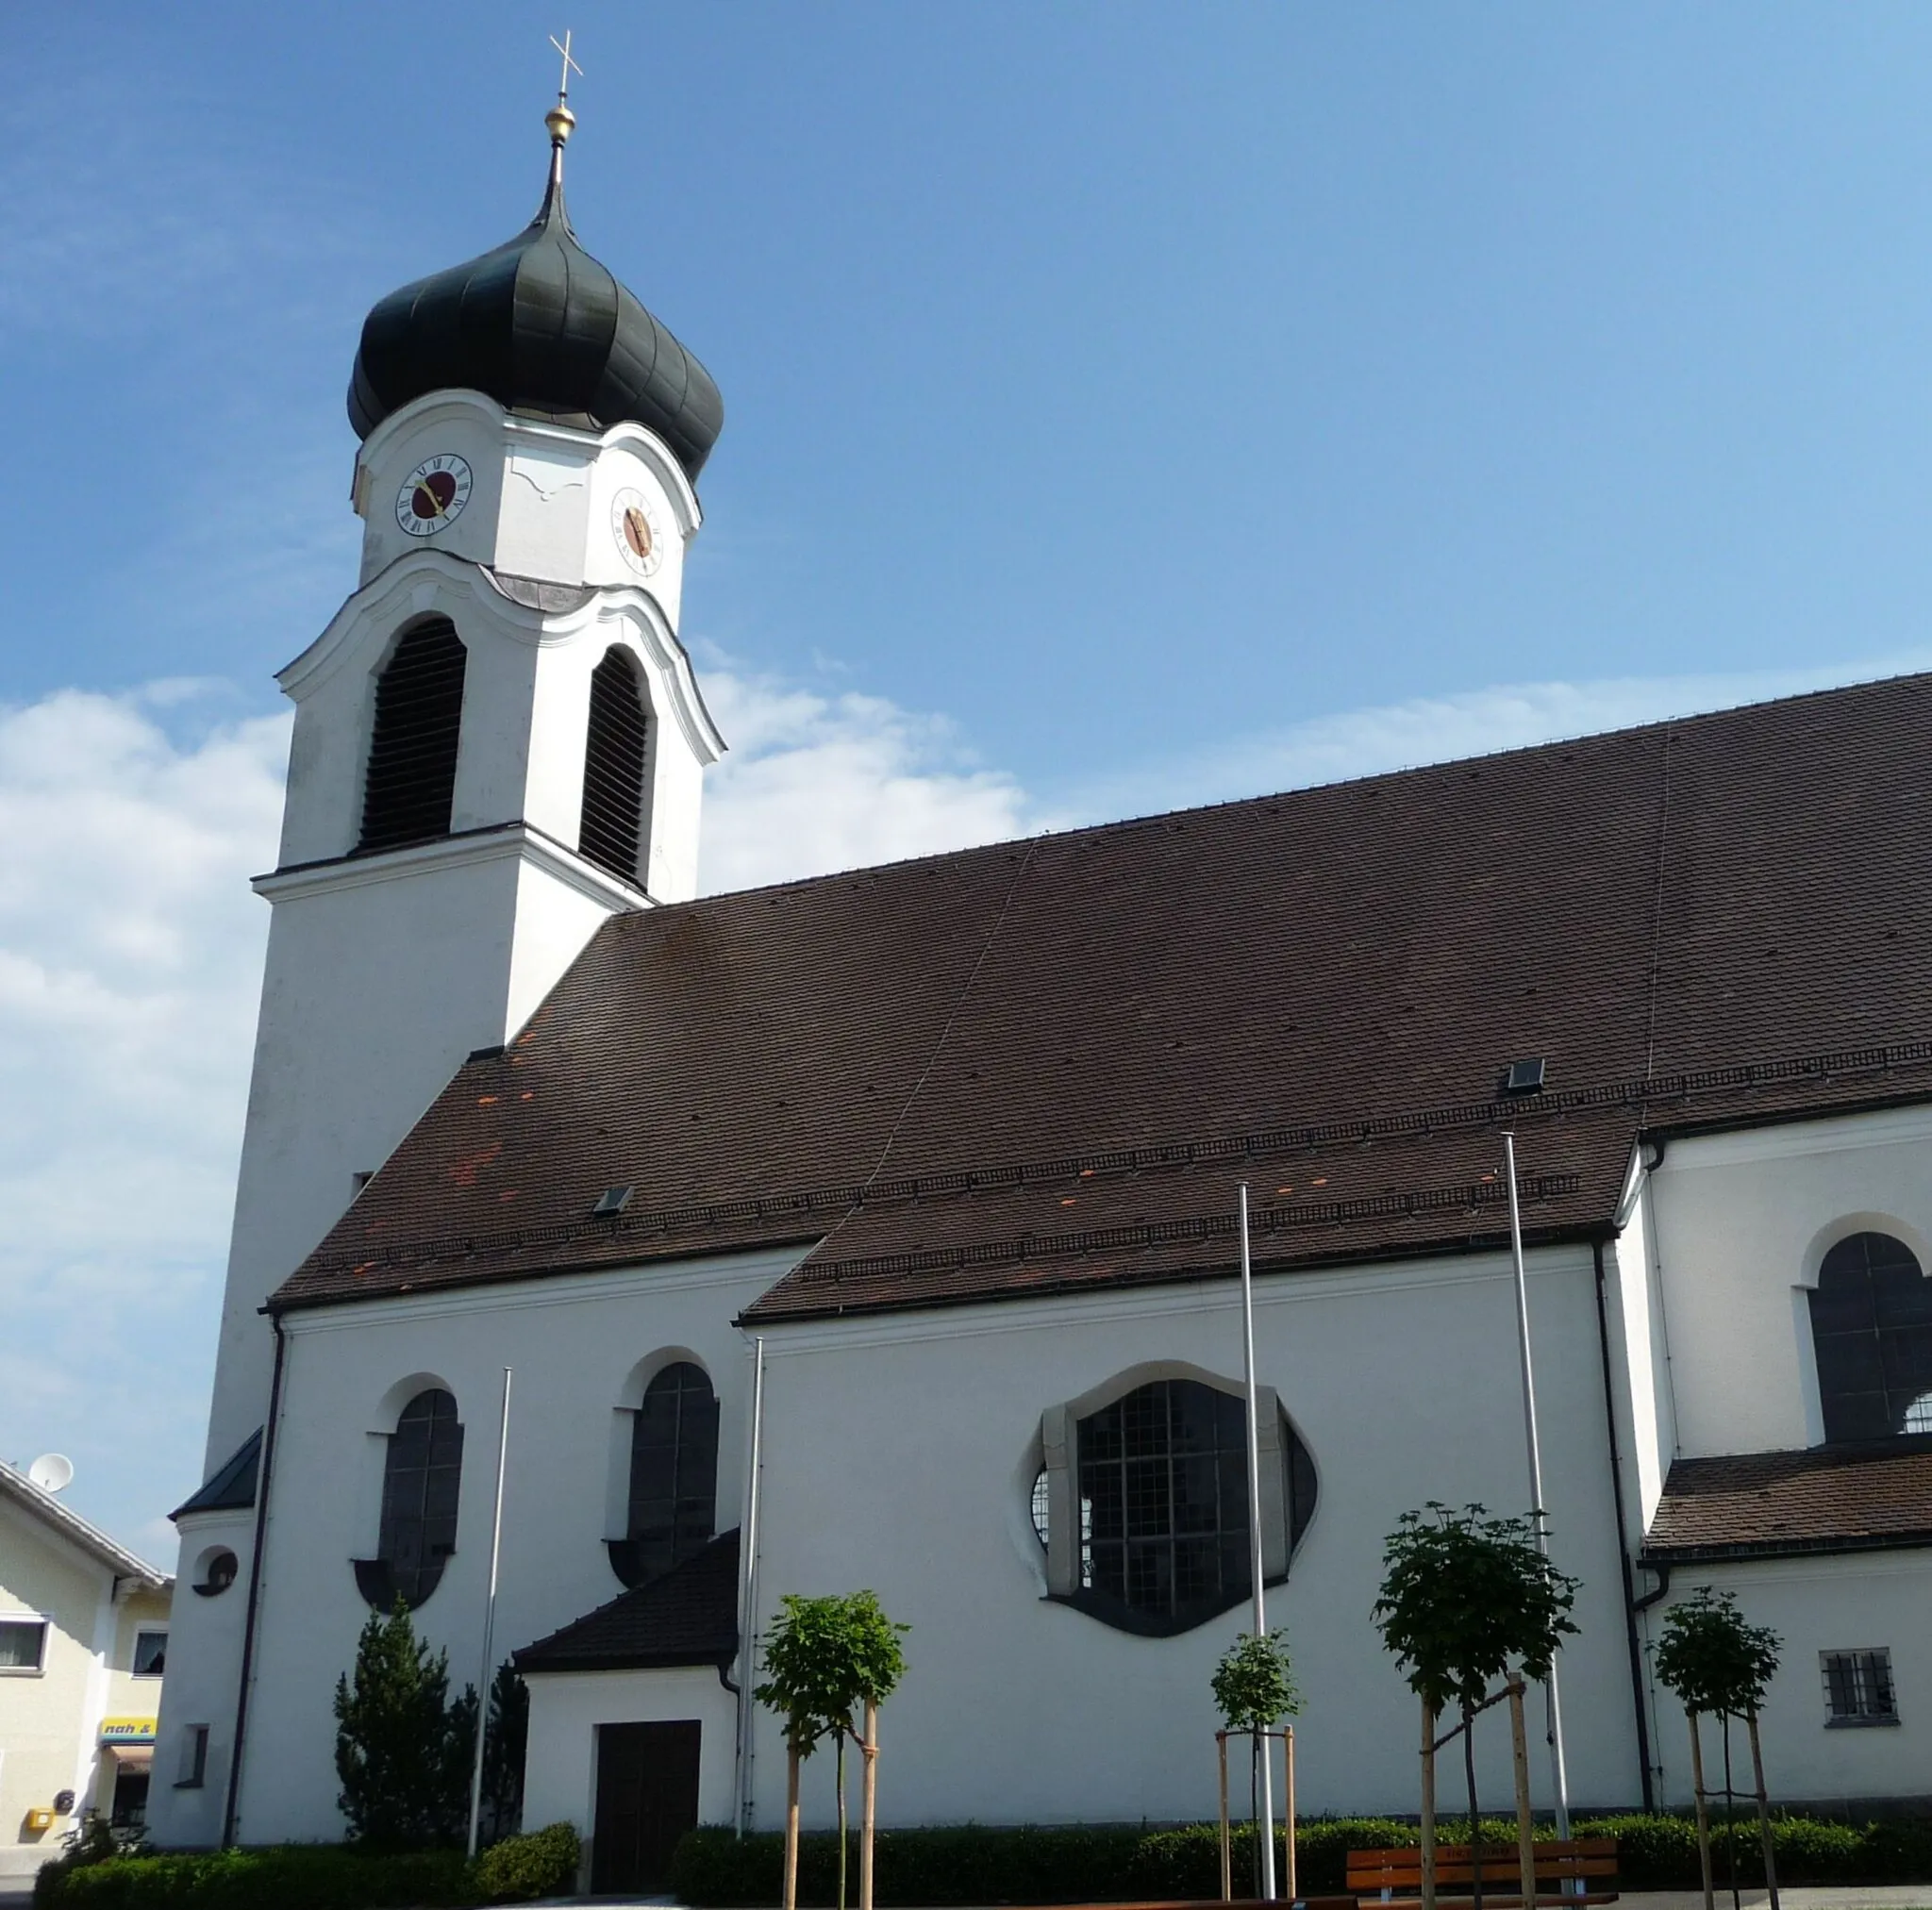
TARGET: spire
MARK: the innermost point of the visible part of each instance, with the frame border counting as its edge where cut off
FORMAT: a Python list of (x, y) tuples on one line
[(559, 119)]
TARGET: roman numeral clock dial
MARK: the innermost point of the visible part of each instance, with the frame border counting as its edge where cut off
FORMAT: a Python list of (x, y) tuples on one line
[(433, 495)]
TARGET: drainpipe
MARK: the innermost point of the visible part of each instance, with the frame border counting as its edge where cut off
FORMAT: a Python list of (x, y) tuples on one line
[(1631, 1607), (261, 1488)]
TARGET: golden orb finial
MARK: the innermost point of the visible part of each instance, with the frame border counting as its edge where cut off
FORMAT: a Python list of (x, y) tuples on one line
[(559, 119)]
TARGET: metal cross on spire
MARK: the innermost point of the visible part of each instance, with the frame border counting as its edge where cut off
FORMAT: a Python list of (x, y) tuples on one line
[(570, 66)]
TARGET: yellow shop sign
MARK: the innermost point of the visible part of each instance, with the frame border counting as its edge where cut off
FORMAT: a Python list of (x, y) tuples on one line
[(128, 1730)]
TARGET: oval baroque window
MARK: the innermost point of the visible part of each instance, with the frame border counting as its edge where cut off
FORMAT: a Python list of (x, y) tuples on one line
[(1161, 1472), (421, 1480), (673, 1476)]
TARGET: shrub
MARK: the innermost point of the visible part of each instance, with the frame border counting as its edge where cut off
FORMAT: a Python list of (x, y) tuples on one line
[(291, 1877), (544, 1864)]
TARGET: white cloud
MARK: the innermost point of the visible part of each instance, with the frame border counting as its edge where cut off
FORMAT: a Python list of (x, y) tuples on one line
[(814, 783), (130, 955)]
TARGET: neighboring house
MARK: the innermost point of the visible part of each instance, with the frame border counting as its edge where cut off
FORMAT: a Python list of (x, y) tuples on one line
[(951, 1152), (83, 1647)]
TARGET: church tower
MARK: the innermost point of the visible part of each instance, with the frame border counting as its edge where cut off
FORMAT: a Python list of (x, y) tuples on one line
[(498, 742)]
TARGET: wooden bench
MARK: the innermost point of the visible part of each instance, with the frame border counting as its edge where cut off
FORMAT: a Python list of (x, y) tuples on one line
[(1586, 1865)]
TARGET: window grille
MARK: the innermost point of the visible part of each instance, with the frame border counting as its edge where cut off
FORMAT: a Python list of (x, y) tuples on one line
[(674, 1471), (1872, 1330), (615, 758), (422, 1476), (412, 748), (1857, 1687)]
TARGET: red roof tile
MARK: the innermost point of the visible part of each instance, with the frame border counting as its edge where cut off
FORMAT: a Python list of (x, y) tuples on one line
[(1827, 1498), (1718, 921)]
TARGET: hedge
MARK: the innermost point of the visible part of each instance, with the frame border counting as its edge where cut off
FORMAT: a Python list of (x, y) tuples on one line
[(976, 1865), (317, 1877)]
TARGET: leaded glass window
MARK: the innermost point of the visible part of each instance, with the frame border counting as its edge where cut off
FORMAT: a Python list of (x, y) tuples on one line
[(1872, 1330), (1164, 1497), (674, 1471), (422, 1479)]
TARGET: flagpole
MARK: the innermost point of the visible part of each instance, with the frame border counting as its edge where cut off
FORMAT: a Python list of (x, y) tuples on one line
[(1552, 1702), (485, 1679), (748, 1590), (1267, 1824)]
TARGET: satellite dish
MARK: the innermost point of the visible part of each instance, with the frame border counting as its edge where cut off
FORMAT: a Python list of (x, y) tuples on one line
[(52, 1472)]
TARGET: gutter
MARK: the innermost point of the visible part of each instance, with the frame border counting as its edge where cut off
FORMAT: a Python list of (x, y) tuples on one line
[(261, 1495), (1631, 1607)]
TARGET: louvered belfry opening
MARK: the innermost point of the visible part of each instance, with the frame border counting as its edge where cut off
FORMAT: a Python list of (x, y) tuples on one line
[(412, 754), (615, 759)]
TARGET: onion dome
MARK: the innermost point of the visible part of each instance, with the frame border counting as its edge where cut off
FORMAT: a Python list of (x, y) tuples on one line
[(542, 327)]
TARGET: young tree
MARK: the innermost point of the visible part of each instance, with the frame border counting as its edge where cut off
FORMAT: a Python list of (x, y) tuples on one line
[(402, 1746), (1462, 1594), (1254, 1688), (823, 1659), (503, 1741), (1718, 1664)]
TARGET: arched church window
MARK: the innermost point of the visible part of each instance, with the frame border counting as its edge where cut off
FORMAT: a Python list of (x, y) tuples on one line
[(673, 1476), (412, 748), (616, 757), (1872, 1330), (421, 1477)]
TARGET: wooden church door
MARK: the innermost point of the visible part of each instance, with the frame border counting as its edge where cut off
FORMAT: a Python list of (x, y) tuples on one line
[(647, 1797)]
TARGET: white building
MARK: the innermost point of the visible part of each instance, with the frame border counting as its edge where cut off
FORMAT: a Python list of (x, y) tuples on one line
[(958, 1143), (83, 1652)]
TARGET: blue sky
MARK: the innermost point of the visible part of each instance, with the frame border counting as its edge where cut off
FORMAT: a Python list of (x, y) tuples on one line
[(1126, 406)]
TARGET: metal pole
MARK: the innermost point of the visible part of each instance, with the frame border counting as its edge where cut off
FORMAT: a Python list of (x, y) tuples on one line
[(749, 1589), (1552, 1702), (1267, 1823), (484, 1680)]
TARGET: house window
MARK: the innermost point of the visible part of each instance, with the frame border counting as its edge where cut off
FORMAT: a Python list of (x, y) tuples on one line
[(23, 1645), (422, 1474), (1872, 1330), (615, 756), (150, 1653), (193, 1766), (412, 748), (1857, 1687), (673, 1472)]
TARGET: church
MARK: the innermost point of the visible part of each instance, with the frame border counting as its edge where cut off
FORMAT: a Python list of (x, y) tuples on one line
[(880, 1229)]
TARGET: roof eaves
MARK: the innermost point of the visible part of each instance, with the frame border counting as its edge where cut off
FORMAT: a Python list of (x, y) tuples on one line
[(89, 1538)]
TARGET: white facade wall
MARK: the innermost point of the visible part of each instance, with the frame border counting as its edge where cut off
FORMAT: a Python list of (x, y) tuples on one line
[(566, 1708), (900, 1454), (1853, 1602), (1743, 1221)]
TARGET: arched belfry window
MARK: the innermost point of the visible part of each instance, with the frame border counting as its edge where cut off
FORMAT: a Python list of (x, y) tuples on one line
[(1143, 1501), (1872, 1330), (421, 1478), (412, 748), (673, 1476), (616, 764)]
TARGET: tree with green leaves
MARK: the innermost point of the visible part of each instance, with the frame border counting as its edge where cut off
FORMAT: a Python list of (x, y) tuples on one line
[(1254, 1690), (505, 1738), (1462, 1596), (402, 1745), (823, 1659), (1721, 1665)]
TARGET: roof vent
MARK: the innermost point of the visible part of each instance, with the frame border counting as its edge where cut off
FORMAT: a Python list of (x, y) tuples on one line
[(611, 1200), (1524, 1077)]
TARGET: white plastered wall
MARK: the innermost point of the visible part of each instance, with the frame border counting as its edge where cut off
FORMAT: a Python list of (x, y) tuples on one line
[(566, 1708), (1742, 1220), (899, 1455)]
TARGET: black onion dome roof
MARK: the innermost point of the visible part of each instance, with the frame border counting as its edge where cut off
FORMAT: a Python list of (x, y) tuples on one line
[(540, 326)]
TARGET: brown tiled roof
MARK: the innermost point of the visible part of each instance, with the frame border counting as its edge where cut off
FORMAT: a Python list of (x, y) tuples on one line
[(1853, 1498), (688, 1616), (1046, 1063)]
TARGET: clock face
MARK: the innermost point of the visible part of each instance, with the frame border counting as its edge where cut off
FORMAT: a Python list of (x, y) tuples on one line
[(433, 494), (634, 530)]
